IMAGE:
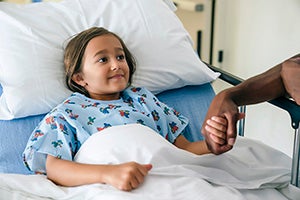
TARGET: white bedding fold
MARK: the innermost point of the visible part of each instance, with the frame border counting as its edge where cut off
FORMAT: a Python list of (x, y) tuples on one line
[(249, 171)]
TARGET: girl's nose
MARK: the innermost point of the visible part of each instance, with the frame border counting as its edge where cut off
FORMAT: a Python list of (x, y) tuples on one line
[(114, 65)]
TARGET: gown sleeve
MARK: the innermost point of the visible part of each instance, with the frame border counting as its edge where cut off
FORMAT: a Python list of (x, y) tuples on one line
[(53, 136)]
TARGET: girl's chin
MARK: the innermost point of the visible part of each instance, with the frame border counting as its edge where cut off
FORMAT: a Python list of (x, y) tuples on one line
[(118, 88)]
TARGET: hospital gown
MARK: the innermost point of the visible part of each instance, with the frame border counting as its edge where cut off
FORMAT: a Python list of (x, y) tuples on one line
[(62, 132)]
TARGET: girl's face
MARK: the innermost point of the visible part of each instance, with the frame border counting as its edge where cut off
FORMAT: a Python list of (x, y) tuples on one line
[(105, 72)]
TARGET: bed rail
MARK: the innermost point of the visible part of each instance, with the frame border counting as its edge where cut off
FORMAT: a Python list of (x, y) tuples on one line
[(284, 103)]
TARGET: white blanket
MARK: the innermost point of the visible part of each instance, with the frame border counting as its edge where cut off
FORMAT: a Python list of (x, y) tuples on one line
[(250, 171)]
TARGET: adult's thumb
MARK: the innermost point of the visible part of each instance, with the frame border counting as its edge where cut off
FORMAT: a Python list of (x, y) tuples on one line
[(241, 116)]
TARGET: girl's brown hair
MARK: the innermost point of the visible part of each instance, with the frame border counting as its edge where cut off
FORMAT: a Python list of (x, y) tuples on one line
[(74, 52)]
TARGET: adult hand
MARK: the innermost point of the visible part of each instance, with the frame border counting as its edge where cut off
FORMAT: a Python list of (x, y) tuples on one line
[(222, 106), (290, 74)]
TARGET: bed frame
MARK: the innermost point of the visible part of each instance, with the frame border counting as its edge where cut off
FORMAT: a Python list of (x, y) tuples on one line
[(284, 103)]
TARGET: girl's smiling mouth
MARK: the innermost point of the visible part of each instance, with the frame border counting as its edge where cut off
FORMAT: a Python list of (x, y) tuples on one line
[(117, 76)]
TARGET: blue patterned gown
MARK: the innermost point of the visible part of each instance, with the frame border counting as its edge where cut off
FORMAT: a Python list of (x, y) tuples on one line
[(70, 124)]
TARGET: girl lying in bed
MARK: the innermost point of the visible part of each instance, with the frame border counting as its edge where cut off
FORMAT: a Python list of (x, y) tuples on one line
[(99, 69)]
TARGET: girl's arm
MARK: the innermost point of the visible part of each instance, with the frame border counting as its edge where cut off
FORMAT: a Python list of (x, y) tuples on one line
[(125, 176), (216, 126), (198, 147)]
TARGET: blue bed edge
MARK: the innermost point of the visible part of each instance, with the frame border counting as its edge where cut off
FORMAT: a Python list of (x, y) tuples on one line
[(191, 101)]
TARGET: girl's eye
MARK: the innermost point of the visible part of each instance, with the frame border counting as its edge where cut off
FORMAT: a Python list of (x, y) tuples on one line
[(102, 60), (121, 57)]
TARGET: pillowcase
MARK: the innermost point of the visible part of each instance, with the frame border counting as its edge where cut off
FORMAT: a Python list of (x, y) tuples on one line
[(33, 37)]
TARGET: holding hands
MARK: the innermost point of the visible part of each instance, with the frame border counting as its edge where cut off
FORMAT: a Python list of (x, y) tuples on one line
[(220, 132)]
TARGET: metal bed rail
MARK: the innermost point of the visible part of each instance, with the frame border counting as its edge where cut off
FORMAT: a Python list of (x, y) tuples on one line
[(282, 102)]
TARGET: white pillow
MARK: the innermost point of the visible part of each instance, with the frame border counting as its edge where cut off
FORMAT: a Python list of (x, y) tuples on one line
[(33, 36)]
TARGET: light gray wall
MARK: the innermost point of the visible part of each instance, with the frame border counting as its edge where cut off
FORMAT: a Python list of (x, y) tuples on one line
[(256, 35)]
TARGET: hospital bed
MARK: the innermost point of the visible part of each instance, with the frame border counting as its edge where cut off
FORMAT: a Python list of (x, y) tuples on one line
[(30, 41)]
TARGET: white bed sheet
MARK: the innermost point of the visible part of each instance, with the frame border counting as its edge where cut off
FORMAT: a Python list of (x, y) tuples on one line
[(251, 170)]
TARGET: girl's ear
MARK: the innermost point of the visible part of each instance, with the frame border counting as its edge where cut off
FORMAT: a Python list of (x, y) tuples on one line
[(77, 78)]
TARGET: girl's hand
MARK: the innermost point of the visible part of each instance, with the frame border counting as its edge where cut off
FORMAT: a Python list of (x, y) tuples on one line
[(217, 127), (127, 176)]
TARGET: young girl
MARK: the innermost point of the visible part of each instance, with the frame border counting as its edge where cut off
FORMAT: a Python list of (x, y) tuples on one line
[(99, 69)]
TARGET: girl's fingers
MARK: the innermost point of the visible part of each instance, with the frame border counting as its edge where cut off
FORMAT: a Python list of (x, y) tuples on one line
[(140, 175), (218, 126), (220, 120), (215, 132), (135, 182), (217, 140)]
